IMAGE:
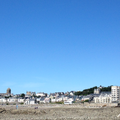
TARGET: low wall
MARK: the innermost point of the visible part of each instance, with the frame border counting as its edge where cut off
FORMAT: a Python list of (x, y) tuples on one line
[(101, 104)]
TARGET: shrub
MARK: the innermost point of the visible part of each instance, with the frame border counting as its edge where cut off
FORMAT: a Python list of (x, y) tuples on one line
[(86, 101), (21, 103), (60, 102), (7, 103)]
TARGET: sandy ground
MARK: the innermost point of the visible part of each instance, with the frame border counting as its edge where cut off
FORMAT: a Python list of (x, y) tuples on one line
[(58, 112)]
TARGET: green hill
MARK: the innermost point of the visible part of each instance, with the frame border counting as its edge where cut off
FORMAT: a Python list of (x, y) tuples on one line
[(91, 90)]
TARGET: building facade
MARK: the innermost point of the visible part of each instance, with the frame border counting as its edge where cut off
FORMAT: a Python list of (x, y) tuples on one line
[(8, 91), (97, 91), (115, 90), (104, 97)]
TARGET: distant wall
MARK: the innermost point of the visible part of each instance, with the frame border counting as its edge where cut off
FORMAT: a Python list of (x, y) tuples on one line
[(100, 104)]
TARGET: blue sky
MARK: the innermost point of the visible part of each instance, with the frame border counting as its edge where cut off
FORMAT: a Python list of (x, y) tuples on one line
[(59, 45)]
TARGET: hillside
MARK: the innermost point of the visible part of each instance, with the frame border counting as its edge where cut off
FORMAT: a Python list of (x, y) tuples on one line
[(91, 90)]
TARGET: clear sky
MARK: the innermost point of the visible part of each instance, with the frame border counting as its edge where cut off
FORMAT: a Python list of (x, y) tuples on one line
[(59, 45)]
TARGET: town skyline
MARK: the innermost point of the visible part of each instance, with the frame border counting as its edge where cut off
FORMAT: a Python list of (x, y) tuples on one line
[(27, 91), (109, 95)]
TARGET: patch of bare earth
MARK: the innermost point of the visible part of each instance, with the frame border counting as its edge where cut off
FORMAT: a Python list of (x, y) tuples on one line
[(58, 113)]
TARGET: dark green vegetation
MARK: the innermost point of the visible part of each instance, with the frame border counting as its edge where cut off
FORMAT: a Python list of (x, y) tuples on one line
[(21, 103), (86, 91), (91, 90), (59, 102), (107, 89), (22, 95), (8, 96)]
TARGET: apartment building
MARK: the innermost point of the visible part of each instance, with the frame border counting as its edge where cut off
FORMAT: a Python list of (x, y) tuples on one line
[(115, 91)]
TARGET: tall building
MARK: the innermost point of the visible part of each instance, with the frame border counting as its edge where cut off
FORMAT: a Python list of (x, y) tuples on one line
[(115, 90), (8, 91)]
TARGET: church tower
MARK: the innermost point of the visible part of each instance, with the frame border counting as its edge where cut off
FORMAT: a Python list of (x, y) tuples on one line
[(8, 91)]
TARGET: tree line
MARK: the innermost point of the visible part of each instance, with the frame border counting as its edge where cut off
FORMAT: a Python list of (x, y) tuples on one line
[(91, 90)]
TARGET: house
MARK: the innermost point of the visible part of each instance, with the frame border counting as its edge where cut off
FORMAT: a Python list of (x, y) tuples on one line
[(38, 100), (59, 98), (52, 96), (42, 99), (12, 99), (88, 97), (30, 101), (27, 96), (67, 93), (21, 100), (47, 100), (78, 98), (68, 97), (17, 95), (3, 100), (59, 93), (41, 94), (72, 93), (69, 100), (33, 93)]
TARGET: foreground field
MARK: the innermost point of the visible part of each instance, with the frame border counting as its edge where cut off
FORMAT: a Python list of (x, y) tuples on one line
[(58, 112)]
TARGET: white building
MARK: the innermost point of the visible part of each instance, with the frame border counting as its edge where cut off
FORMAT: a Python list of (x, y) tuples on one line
[(11, 100), (97, 91), (115, 90), (88, 97), (69, 101), (58, 99), (41, 94), (30, 101), (72, 93), (47, 100), (3, 100), (21, 100), (53, 100), (104, 97), (42, 100)]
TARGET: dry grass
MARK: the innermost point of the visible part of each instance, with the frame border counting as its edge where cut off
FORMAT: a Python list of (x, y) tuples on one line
[(58, 112)]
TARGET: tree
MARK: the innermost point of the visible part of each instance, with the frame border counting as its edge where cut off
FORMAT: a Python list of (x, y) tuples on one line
[(86, 91), (22, 95)]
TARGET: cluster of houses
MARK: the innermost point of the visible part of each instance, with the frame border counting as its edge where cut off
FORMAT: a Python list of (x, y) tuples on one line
[(66, 98)]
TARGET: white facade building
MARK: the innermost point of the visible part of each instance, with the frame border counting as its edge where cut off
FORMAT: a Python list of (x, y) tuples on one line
[(41, 94), (104, 97), (11, 100), (97, 91), (3, 100), (30, 102), (69, 101), (20, 100), (88, 97), (115, 90)]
